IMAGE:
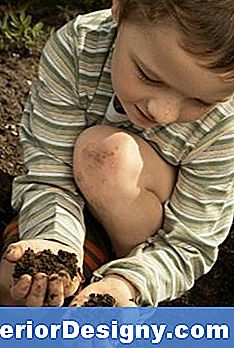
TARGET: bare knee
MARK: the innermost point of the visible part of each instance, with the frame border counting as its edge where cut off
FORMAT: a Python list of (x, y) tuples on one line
[(123, 181), (105, 155)]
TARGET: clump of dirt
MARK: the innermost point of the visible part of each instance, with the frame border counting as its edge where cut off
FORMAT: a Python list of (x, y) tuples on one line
[(46, 262), (99, 300)]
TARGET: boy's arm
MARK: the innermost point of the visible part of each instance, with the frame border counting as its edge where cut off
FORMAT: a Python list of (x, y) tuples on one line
[(197, 220), (48, 200)]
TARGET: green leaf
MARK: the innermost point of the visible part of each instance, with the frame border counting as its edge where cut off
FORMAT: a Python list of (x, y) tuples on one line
[(22, 16), (38, 26)]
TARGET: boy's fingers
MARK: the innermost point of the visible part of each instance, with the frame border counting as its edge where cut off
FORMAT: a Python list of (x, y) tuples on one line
[(70, 286), (20, 290), (55, 291), (67, 282), (37, 292)]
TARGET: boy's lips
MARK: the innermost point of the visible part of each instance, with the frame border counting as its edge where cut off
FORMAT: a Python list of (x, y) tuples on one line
[(143, 118)]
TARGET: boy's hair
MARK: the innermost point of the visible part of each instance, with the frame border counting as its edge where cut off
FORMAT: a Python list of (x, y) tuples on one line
[(207, 26)]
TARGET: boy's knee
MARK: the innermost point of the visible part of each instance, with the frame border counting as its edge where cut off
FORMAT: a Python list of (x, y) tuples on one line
[(103, 152)]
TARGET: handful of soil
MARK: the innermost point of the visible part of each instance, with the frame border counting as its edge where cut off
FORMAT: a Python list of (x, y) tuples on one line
[(46, 262), (99, 300)]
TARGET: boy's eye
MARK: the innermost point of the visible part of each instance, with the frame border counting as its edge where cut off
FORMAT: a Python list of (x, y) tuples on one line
[(142, 76)]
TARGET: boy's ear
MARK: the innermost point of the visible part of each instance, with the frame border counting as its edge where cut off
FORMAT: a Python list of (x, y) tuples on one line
[(115, 9)]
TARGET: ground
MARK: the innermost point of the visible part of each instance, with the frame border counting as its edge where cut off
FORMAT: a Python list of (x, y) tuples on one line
[(17, 72), (16, 76)]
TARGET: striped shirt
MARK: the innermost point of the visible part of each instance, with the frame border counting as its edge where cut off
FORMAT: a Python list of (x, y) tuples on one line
[(74, 91)]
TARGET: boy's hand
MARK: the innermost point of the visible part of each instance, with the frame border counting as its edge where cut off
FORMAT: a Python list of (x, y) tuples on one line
[(122, 291), (40, 290)]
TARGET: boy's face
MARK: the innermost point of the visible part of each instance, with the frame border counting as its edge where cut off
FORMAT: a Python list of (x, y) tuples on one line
[(157, 82)]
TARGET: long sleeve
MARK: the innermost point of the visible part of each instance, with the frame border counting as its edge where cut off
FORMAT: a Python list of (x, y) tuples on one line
[(72, 92), (47, 198), (197, 220)]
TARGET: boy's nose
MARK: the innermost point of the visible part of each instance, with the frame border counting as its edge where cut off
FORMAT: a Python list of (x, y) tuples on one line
[(164, 110)]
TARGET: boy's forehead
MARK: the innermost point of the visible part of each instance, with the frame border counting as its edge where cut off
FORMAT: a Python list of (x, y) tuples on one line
[(159, 52)]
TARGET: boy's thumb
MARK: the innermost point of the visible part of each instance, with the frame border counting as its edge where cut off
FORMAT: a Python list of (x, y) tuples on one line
[(14, 252)]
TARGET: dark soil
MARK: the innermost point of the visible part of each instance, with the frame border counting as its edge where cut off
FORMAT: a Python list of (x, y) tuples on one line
[(99, 300), (17, 73), (16, 76), (46, 262)]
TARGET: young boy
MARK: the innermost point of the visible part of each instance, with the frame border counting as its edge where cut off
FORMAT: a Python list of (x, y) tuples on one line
[(146, 99)]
